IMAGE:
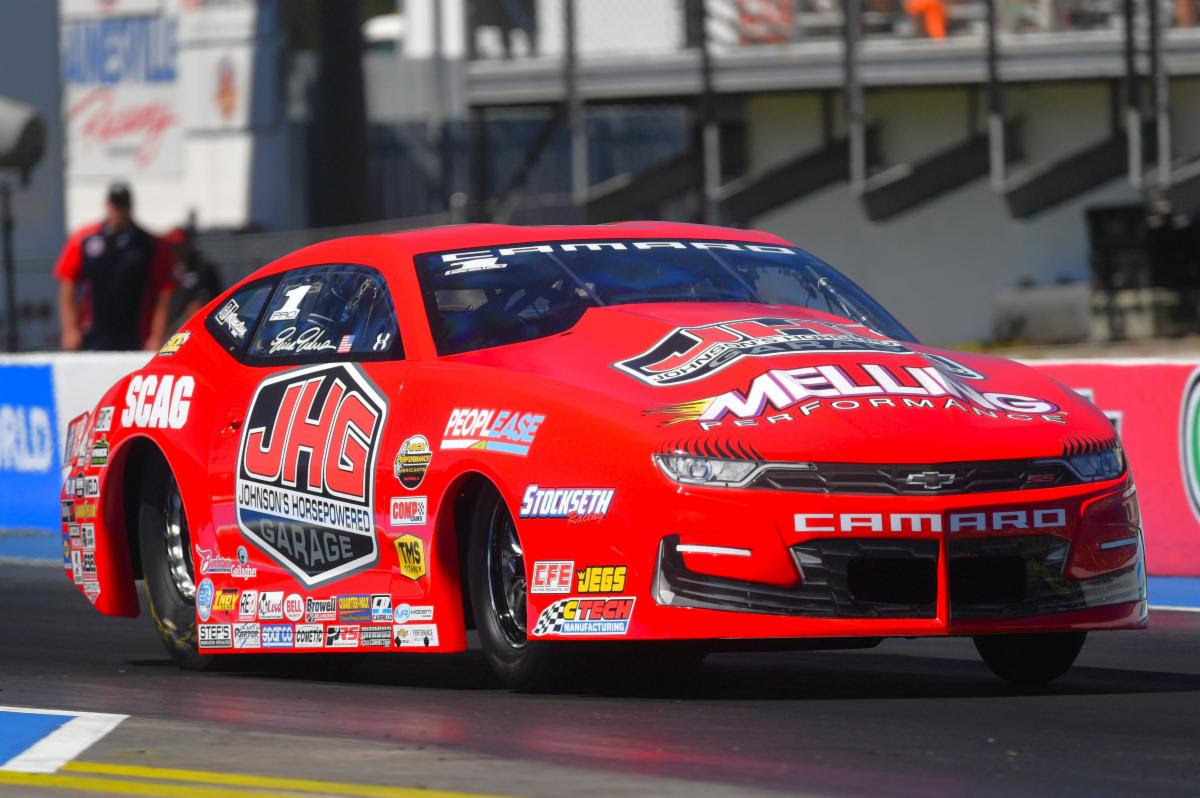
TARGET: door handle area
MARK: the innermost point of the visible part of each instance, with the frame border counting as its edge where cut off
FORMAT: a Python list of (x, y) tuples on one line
[(234, 424)]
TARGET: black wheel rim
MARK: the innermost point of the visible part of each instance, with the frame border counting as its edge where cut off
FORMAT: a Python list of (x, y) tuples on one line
[(506, 576), (178, 545)]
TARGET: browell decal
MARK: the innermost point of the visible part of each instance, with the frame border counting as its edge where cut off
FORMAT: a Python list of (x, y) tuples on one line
[(574, 504), (507, 431), (157, 402), (305, 479), (784, 395), (693, 353), (585, 616), (908, 523)]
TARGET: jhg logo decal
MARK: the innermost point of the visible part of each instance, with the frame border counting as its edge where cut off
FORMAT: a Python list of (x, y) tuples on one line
[(305, 479), (693, 353), (1189, 443)]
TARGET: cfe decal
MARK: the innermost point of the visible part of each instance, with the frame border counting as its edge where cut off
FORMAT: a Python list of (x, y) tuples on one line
[(305, 474), (693, 353)]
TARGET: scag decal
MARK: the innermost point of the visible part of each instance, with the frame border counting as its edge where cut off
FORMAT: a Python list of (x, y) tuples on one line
[(507, 431), (157, 402), (585, 616), (412, 461), (693, 353), (305, 478), (574, 504), (909, 523), (783, 395), (409, 510), (410, 553)]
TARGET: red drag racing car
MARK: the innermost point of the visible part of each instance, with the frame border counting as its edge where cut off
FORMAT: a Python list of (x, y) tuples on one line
[(650, 432)]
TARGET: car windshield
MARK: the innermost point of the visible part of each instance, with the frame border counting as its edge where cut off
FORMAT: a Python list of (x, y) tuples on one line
[(501, 295)]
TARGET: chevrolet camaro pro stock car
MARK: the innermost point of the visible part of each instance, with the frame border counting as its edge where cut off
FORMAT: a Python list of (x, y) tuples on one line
[(637, 432)]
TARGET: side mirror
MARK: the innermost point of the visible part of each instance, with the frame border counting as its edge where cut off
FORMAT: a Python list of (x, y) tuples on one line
[(22, 137)]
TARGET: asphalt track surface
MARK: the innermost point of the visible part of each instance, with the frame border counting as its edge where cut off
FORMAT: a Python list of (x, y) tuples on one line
[(909, 718)]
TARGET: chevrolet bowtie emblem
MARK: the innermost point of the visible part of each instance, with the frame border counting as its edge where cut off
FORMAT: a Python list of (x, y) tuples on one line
[(930, 480)]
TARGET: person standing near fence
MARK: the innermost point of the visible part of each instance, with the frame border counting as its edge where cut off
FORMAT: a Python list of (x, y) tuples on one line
[(198, 279), (115, 282)]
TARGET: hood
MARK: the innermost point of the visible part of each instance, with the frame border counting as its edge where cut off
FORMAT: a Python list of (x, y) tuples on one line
[(789, 383)]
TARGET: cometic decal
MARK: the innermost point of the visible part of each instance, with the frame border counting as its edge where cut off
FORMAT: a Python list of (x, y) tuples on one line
[(305, 476)]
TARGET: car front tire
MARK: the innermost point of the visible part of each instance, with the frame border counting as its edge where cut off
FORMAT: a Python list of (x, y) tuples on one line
[(1030, 659)]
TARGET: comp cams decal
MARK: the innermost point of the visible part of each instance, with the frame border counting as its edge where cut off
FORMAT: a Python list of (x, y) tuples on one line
[(409, 510), (783, 395), (585, 616), (693, 353), (305, 473), (507, 431)]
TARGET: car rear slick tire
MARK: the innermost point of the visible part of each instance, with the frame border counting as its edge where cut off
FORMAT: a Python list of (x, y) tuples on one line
[(1030, 659), (167, 568), (496, 582)]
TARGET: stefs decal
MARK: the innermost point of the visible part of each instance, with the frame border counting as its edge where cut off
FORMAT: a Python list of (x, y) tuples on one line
[(305, 473)]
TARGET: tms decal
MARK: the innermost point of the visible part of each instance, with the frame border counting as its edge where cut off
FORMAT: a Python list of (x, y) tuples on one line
[(410, 553), (850, 388), (575, 504), (412, 461), (601, 579), (158, 404), (305, 478), (907, 523), (584, 616), (492, 430), (409, 510), (693, 353), (552, 576), (415, 636)]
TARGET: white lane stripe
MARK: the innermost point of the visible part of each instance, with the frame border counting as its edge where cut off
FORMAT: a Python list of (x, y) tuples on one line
[(40, 562), (1172, 608), (65, 743)]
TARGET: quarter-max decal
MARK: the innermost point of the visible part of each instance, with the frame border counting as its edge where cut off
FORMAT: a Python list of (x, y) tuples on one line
[(305, 474)]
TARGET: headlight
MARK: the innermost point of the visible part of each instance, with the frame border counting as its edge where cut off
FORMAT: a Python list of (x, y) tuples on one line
[(1097, 466), (692, 470)]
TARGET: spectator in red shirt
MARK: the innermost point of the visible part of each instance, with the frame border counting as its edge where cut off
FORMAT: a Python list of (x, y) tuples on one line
[(115, 282)]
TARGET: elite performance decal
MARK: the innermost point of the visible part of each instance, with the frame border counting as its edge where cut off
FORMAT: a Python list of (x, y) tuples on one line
[(693, 353), (305, 476)]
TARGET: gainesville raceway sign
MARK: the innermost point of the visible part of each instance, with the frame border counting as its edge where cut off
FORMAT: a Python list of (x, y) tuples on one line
[(1155, 406)]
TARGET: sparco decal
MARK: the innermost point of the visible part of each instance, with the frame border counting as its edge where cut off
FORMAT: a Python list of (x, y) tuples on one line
[(909, 523), (305, 479), (574, 504), (412, 461), (585, 616), (1189, 443), (693, 353), (157, 402), (783, 395)]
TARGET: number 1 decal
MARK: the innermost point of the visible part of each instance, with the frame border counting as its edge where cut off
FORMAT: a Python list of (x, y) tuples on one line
[(291, 309)]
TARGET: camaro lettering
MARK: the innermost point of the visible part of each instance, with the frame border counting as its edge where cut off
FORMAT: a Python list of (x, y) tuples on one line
[(904, 523)]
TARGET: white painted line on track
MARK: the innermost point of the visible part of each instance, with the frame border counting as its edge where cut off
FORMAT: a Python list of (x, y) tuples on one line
[(40, 562), (63, 744), (1173, 608)]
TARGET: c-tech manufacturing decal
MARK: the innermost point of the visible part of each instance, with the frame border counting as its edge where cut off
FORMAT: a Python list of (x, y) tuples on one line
[(305, 486)]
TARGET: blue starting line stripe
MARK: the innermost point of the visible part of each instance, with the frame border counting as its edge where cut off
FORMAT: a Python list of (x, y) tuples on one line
[(43, 740), (1174, 592)]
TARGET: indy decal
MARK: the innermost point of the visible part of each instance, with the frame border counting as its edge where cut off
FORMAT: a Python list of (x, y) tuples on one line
[(693, 353), (305, 472)]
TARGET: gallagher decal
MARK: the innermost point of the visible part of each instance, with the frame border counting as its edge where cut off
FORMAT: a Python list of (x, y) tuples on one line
[(693, 353), (305, 477)]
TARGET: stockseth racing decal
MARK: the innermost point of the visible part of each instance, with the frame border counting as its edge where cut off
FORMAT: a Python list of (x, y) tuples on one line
[(693, 353), (305, 478), (505, 431), (585, 616), (574, 504), (782, 395)]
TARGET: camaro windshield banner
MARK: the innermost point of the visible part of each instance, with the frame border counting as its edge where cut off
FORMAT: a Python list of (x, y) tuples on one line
[(1155, 406)]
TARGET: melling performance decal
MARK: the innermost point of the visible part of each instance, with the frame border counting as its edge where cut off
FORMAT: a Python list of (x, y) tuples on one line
[(305, 478), (693, 353)]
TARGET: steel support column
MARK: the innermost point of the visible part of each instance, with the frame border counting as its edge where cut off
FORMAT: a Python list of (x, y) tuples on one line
[(995, 97), (856, 127), (576, 121)]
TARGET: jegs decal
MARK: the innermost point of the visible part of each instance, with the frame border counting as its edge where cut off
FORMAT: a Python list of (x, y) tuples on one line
[(693, 353), (305, 472)]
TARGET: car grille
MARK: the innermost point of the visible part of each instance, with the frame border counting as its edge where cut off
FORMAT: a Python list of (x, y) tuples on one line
[(894, 480)]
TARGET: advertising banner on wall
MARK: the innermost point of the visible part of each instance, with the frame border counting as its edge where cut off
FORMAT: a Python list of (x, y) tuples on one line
[(1155, 406), (29, 457), (121, 96)]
